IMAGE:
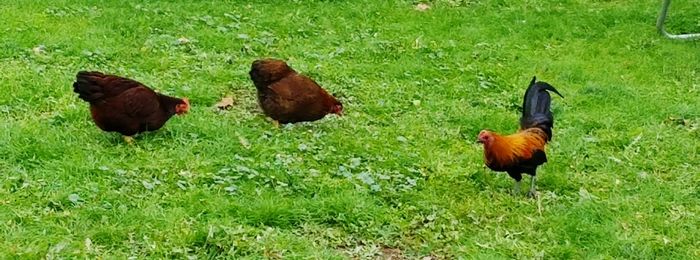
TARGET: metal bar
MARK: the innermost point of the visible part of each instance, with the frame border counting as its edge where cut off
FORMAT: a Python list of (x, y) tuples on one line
[(662, 29)]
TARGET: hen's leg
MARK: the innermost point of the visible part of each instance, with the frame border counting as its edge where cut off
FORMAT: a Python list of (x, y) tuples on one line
[(129, 140), (532, 193), (275, 123)]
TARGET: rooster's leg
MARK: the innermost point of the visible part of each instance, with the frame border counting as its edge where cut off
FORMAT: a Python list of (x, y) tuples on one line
[(516, 188), (533, 192)]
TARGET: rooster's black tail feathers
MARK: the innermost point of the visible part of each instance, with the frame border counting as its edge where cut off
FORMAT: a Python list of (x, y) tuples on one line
[(536, 104)]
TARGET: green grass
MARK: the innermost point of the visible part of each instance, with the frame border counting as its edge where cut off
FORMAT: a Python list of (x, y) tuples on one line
[(400, 172)]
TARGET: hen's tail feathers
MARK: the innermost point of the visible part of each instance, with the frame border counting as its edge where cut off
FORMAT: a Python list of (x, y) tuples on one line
[(536, 103), (87, 86)]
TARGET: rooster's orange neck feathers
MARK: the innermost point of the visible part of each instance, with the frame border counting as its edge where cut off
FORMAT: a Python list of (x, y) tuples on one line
[(501, 150)]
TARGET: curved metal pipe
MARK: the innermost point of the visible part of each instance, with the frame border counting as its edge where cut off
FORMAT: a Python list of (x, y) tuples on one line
[(662, 29)]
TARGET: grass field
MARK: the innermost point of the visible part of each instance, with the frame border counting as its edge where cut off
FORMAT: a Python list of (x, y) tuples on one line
[(400, 175)]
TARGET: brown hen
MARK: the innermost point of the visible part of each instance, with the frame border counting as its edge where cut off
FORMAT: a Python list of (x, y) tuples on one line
[(289, 97), (125, 106)]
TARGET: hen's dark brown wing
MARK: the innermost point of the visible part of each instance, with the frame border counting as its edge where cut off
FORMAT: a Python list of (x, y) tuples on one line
[(295, 98), (140, 102), (96, 86), (134, 110)]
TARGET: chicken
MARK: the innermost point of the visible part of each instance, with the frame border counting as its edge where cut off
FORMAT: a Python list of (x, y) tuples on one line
[(126, 106), (523, 151), (289, 97)]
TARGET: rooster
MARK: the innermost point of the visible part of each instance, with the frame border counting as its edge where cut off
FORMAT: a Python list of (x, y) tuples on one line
[(523, 151), (289, 97), (125, 106)]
